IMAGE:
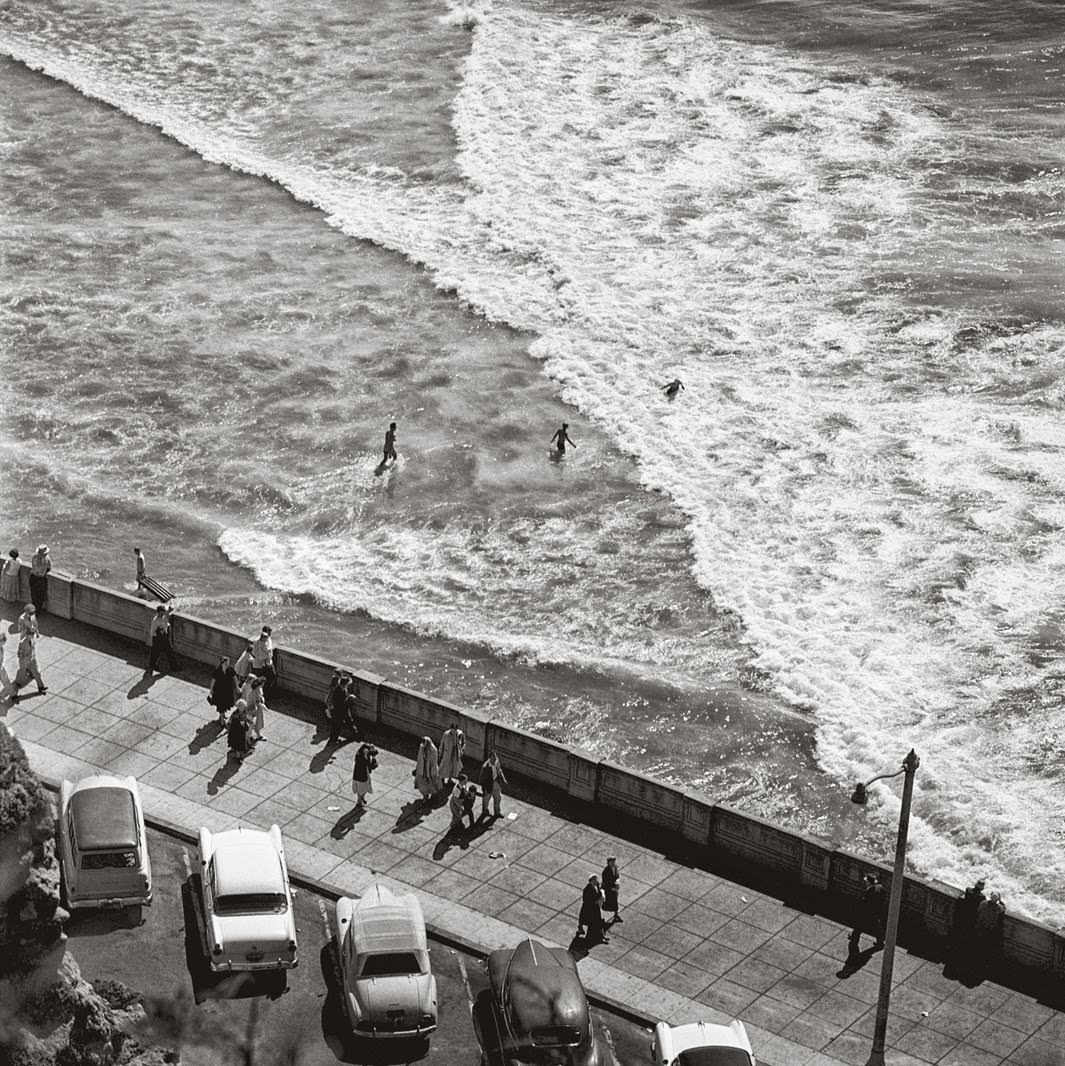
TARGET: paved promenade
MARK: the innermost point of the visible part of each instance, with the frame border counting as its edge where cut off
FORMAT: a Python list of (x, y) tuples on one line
[(692, 945)]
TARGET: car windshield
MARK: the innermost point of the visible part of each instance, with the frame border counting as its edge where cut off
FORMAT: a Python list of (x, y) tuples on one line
[(109, 860), (713, 1056), (389, 964), (252, 903)]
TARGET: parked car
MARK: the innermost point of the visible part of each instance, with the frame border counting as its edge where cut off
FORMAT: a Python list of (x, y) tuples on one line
[(702, 1044), (540, 1006), (388, 990), (247, 902), (103, 850)]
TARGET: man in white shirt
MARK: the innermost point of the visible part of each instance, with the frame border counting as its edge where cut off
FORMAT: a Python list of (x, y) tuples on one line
[(262, 661)]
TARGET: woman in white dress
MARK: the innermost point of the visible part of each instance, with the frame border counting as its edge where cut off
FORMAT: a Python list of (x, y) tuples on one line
[(9, 577), (427, 769)]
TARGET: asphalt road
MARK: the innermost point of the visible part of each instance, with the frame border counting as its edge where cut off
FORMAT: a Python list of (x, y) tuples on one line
[(263, 1021)]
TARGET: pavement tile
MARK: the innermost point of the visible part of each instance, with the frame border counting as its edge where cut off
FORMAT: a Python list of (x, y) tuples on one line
[(556, 896), (716, 959), (727, 898), (151, 715), (953, 1020), (161, 745), (850, 1048), (577, 872), (767, 914), (644, 962), (689, 883), (234, 801), (1052, 1029), (1036, 1052), (755, 975), (727, 996), (288, 763), (87, 691), (684, 978), (993, 1036), (798, 990), (32, 729), (771, 1014), (165, 776), (656, 1002), (303, 827), (558, 929), (929, 978), (262, 782), (637, 926), (533, 823), (837, 1007), (785, 954), (452, 884), (130, 762), (490, 900), (119, 703), (968, 1055), (676, 943), (1023, 1012), (184, 725), (56, 709), (779, 1051), (380, 857), (810, 931), (513, 845), (577, 840), (415, 870), (92, 720), (661, 905), (516, 879), (866, 1025), (700, 920), (123, 731), (652, 870), (523, 913), (740, 936), (924, 1043)]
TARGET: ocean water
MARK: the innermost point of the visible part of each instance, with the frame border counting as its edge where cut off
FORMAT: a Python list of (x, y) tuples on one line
[(240, 239)]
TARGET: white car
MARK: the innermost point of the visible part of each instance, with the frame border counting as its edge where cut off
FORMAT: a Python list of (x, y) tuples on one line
[(247, 901), (702, 1044), (103, 851), (388, 990)]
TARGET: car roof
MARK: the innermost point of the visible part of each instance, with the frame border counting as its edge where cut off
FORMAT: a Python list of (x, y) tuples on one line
[(247, 864), (544, 990), (383, 921), (104, 815), (707, 1035)]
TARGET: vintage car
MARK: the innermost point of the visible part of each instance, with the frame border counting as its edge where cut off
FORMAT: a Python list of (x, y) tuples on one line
[(247, 902), (702, 1044), (541, 1007), (103, 851), (384, 964)]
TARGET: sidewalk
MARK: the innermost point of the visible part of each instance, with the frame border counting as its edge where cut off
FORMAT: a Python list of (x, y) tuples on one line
[(692, 945)]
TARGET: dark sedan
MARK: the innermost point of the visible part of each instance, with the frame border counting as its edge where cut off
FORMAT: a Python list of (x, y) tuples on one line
[(541, 1007)]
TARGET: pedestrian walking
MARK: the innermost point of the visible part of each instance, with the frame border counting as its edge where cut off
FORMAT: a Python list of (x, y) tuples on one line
[(142, 567), (362, 773), (10, 577), (872, 916), (262, 661), (390, 443), (242, 667), (492, 781), (344, 723), (27, 666), (427, 769), (238, 733), (256, 701), (223, 691), (591, 914), (461, 804), (40, 565), (452, 747), (27, 621), (611, 882), (161, 638), (561, 439)]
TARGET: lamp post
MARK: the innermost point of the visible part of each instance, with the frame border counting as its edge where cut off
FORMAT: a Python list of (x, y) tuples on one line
[(887, 965)]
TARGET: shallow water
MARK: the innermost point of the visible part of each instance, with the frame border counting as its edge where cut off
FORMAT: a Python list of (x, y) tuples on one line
[(841, 229)]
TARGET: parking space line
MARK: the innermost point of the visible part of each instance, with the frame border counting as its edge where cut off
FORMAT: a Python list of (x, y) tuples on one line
[(465, 980), (608, 1039)]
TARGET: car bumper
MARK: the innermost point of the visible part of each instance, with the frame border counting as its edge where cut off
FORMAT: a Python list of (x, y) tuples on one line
[(243, 966), (386, 1032), (109, 903)]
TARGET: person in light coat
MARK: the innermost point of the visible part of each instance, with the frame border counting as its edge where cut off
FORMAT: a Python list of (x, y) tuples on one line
[(427, 769), (10, 579), (256, 700), (452, 746)]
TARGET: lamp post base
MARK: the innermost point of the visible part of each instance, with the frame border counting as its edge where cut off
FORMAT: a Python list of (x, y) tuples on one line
[(876, 1058)]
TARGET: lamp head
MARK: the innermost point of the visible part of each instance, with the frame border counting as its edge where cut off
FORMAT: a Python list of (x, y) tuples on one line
[(860, 795)]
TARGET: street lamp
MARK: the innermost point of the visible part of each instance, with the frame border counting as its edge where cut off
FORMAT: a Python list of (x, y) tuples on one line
[(887, 965)]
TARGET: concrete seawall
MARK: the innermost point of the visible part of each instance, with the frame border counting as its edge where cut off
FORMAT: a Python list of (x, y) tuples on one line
[(820, 874)]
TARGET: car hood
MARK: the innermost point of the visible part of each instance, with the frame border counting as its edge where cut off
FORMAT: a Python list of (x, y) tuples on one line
[(411, 993), (252, 932)]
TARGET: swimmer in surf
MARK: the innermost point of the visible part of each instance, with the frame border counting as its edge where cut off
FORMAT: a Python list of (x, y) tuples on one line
[(390, 443), (673, 388), (561, 439)]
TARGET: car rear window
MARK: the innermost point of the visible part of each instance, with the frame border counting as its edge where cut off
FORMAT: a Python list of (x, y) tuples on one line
[(714, 1056), (390, 963), (251, 903), (555, 1036), (109, 860)]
